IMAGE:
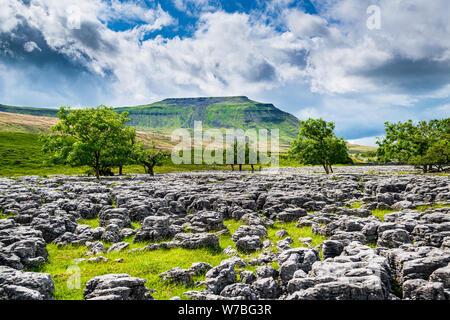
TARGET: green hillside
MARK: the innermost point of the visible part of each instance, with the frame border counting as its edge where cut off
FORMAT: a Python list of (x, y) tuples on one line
[(217, 112), (214, 112), (41, 112)]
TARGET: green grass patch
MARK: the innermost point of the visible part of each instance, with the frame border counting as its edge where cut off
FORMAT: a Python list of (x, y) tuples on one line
[(149, 264), (431, 206), (4, 216), (380, 213), (295, 233), (93, 223), (355, 205), (136, 225)]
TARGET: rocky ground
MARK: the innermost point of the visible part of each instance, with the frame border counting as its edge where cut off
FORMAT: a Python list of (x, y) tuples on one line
[(405, 256)]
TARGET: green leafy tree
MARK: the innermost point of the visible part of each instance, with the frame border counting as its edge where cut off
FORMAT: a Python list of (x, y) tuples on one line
[(94, 137), (235, 156), (424, 144), (122, 154), (149, 158), (318, 145)]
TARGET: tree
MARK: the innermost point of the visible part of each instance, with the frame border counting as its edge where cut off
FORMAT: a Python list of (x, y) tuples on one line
[(318, 145), (149, 158), (424, 144), (94, 137), (122, 154), (235, 156), (438, 156)]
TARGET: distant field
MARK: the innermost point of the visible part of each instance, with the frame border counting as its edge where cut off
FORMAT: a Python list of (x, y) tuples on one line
[(355, 148)]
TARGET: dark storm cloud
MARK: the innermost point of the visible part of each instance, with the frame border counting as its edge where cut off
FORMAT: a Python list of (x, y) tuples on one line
[(297, 58), (89, 35), (264, 71), (49, 73), (24, 33), (358, 131), (14, 53), (413, 75)]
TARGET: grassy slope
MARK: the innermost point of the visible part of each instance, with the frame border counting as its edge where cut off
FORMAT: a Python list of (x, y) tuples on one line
[(356, 148), (43, 112), (20, 154), (13, 122)]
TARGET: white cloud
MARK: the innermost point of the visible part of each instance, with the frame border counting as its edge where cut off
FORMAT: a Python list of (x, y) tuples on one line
[(305, 25), (366, 141), (196, 7), (30, 46), (307, 113), (391, 99), (414, 30)]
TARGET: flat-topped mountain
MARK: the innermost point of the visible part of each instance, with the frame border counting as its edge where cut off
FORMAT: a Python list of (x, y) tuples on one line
[(215, 112)]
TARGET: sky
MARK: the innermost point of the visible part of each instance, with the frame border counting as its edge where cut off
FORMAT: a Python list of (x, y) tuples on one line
[(358, 63)]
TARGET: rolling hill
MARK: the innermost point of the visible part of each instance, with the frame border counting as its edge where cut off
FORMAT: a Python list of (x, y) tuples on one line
[(215, 112), (41, 112), (24, 123)]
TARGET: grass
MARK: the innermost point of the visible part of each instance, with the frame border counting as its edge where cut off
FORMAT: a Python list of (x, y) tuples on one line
[(20, 155), (431, 206), (4, 216), (93, 223), (13, 122), (380, 213), (295, 233), (355, 205), (149, 264)]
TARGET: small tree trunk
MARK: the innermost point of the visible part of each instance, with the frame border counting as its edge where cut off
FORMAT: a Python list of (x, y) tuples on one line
[(253, 168), (327, 170), (240, 167), (425, 168), (97, 166), (120, 170), (232, 167), (331, 169), (152, 173)]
